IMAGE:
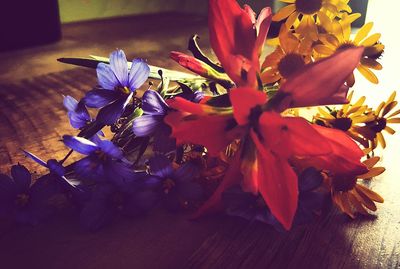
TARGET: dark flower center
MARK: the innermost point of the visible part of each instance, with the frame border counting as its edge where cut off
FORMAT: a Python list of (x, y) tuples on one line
[(308, 6), (343, 183), (343, 124), (101, 155), (346, 45), (289, 64), (22, 199), (377, 125)]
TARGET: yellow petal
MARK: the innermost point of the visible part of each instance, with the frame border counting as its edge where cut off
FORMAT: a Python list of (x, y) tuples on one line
[(388, 107), (389, 130), (371, 194), (371, 161), (373, 172), (364, 199), (394, 120), (325, 114), (323, 50), (357, 205), (363, 32), (368, 74), (360, 101), (291, 19), (381, 140), (371, 63), (370, 41), (346, 205), (379, 108), (288, 1), (284, 12), (391, 97)]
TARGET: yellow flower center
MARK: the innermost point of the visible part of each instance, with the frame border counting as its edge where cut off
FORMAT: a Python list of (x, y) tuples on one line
[(340, 183), (308, 6), (290, 63), (124, 90), (22, 199)]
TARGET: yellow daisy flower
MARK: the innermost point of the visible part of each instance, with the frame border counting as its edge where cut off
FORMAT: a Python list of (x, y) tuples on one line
[(373, 130), (347, 119), (302, 13), (290, 56), (350, 196), (373, 49)]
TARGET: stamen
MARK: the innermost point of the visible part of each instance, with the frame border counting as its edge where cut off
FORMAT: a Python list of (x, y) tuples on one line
[(308, 6)]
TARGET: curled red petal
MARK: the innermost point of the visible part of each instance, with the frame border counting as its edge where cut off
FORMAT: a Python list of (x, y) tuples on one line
[(344, 158), (320, 83), (190, 63)]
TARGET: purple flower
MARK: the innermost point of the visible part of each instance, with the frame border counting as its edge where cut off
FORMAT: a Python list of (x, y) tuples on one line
[(135, 198), (151, 123), (311, 200), (78, 114), (178, 186), (56, 170), (248, 206), (20, 200), (252, 207), (104, 160), (117, 86)]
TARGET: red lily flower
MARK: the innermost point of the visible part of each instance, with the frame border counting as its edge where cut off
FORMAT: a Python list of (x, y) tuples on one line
[(270, 142), (237, 38)]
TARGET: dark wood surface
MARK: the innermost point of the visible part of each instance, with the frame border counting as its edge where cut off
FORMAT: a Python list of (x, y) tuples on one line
[(32, 117)]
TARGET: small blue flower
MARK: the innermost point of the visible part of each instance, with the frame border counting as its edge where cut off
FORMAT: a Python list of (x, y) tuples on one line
[(248, 206), (135, 198), (78, 114), (178, 186), (55, 169), (20, 200), (252, 207), (151, 123), (104, 160), (310, 199), (117, 86)]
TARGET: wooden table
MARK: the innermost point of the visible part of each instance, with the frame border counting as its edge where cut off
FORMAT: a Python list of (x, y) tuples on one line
[(32, 117)]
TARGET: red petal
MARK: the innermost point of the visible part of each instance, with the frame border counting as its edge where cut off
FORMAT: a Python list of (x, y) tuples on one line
[(232, 177), (321, 83), (289, 137), (209, 131), (262, 26), (243, 100), (277, 185), (344, 158), (189, 62), (231, 36)]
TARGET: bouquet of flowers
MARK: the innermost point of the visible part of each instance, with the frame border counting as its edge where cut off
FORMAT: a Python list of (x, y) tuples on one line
[(249, 134)]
